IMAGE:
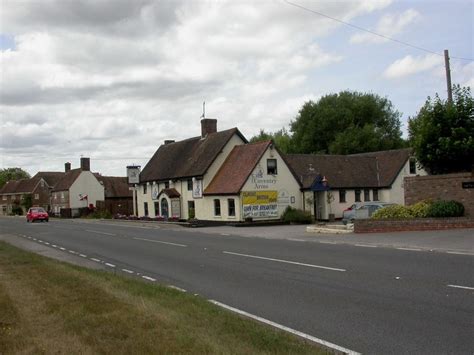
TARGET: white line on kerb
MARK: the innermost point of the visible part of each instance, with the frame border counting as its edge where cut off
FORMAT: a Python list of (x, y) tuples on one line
[(128, 271), (410, 249), (366, 245), (149, 278), (457, 253), (99, 232), (286, 329), (285, 261), (159, 241), (463, 287), (111, 265)]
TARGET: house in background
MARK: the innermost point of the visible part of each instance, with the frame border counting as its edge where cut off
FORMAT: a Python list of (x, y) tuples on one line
[(332, 183), (173, 181), (254, 182), (118, 196), (78, 188)]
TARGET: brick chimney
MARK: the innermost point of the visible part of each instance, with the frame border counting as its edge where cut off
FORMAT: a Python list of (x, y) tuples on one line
[(67, 167), (85, 164), (208, 125), (169, 141)]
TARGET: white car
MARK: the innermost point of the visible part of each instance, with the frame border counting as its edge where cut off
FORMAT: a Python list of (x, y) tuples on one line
[(362, 210)]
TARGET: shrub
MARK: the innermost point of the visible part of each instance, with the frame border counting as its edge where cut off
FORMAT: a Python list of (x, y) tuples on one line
[(444, 208), (293, 215), (420, 209), (17, 211), (395, 211), (100, 214)]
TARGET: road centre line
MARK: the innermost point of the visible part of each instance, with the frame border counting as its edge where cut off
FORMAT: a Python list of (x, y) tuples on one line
[(463, 287), (286, 329), (457, 253), (410, 249), (365, 245), (99, 232), (159, 241), (285, 261)]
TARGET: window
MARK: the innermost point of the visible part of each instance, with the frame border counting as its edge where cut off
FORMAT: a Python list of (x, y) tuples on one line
[(375, 193), (144, 189), (357, 195), (231, 205), (217, 207), (191, 210), (190, 184), (4, 197), (37, 196), (157, 208), (62, 195), (167, 185), (366, 195), (271, 166), (145, 208), (342, 196), (412, 166)]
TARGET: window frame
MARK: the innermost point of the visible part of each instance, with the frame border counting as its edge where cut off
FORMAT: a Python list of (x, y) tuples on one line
[(357, 195), (217, 208), (366, 195), (412, 165), (190, 184), (375, 194), (231, 207), (274, 167), (342, 196)]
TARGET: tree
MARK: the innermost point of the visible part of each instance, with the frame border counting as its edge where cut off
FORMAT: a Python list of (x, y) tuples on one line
[(442, 133), (281, 138), (345, 123), (27, 201), (12, 174)]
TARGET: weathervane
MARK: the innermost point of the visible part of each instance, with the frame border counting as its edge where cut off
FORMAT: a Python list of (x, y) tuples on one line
[(203, 110)]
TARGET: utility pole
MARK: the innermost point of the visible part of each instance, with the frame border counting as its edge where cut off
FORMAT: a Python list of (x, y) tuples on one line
[(448, 76)]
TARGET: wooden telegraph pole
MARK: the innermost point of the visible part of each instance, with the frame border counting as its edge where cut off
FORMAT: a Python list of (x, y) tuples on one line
[(448, 76)]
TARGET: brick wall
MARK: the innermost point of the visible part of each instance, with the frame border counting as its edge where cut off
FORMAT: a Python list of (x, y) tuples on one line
[(444, 187), (418, 224)]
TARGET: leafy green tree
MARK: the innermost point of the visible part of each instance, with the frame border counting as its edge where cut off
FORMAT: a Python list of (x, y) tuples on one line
[(281, 138), (345, 123), (27, 201), (442, 133), (12, 174)]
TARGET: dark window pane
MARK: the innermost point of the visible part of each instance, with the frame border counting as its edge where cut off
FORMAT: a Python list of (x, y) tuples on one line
[(342, 195), (217, 207), (357, 195), (366, 195), (272, 166), (231, 204)]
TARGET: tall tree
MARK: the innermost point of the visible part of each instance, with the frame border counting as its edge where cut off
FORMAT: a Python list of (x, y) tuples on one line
[(345, 123), (442, 133), (281, 138), (12, 174)]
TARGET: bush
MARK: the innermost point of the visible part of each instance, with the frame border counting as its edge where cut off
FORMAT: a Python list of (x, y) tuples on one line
[(100, 214), (17, 211), (395, 211), (420, 209), (293, 215), (444, 208)]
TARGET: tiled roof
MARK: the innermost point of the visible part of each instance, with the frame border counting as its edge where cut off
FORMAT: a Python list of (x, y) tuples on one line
[(20, 186), (171, 193), (187, 158), (114, 186), (376, 169), (236, 169), (67, 180), (10, 187), (51, 177)]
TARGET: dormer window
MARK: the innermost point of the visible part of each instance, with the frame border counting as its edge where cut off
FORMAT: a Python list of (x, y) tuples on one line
[(271, 166)]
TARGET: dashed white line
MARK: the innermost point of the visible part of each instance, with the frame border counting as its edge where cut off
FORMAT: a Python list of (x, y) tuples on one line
[(96, 260), (83, 255), (161, 242), (109, 264), (39, 240), (72, 251), (128, 271), (297, 240), (225, 234), (365, 245), (149, 278), (177, 288), (285, 261), (457, 253), (99, 232), (62, 248), (463, 287), (54, 245), (286, 329), (46, 243), (328, 242), (410, 249)]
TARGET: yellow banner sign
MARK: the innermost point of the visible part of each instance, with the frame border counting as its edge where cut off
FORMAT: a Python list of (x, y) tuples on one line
[(259, 197)]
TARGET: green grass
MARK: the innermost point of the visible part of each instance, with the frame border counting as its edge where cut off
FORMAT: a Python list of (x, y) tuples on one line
[(51, 307)]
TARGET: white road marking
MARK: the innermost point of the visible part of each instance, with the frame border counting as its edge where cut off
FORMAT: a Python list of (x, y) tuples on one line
[(96, 260), (410, 249), (226, 234), (83, 256), (159, 241), (149, 278), (128, 271), (457, 253), (177, 288), (72, 251), (46, 243), (366, 245), (298, 240), (39, 240), (99, 232), (328, 242), (34, 238), (286, 329), (285, 261), (62, 248), (463, 287), (54, 245), (111, 265)]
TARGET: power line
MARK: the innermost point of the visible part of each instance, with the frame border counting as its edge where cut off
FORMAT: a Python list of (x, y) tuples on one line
[(372, 32)]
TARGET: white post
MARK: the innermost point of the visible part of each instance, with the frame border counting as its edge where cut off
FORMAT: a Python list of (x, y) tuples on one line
[(135, 200)]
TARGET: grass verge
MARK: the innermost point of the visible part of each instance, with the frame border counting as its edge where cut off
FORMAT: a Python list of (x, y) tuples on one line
[(51, 307)]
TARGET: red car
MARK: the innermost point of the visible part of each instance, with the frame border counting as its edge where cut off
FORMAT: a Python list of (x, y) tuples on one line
[(37, 214)]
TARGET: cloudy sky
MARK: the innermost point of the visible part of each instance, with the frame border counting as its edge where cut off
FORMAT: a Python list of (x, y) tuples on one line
[(112, 80)]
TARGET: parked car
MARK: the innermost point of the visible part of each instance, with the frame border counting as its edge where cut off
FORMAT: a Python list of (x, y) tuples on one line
[(361, 210), (37, 214)]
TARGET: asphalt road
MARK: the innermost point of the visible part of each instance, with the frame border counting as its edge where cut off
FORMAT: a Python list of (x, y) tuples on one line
[(370, 300)]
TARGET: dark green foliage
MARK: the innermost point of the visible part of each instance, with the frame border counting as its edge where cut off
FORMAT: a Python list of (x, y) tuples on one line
[(293, 215), (27, 201), (17, 210), (12, 174), (281, 138), (346, 123), (444, 208), (442, 134)]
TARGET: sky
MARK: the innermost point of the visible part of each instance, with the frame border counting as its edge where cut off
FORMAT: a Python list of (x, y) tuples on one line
[(111, 80)]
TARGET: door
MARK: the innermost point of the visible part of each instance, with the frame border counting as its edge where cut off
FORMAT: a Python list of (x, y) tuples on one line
[(164, 208)]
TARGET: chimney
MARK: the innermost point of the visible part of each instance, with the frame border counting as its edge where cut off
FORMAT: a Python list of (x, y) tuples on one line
[(169, 141), (208, 125), (67, 167), (85, 164)]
